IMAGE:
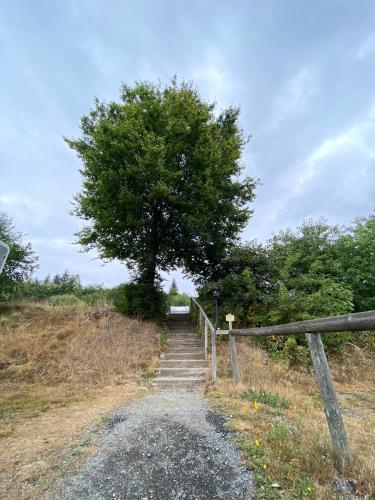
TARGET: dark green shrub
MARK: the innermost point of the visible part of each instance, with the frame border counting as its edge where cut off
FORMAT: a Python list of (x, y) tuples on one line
[(141, 300), (67, 299)]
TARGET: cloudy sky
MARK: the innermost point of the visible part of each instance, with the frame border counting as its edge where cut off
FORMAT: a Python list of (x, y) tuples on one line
[(302, 72)]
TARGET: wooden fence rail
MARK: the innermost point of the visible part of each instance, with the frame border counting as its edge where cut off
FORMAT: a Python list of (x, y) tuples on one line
[(207, 326), (364, 321)]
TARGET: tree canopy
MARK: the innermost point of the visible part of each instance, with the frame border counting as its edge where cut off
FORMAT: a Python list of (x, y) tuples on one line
[(161, 180), (21, 260)]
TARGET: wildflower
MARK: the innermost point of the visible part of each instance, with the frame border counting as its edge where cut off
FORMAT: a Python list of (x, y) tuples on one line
[(309, 489), (257, 442), (264, 466), (256, 405)]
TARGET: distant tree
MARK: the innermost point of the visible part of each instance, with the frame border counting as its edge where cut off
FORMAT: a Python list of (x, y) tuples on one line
[(21, 261), (356, 253), (173, 288), (161, 184)]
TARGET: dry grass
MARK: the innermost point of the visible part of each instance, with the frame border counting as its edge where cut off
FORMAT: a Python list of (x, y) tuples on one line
[(61, 368), (290, 446)]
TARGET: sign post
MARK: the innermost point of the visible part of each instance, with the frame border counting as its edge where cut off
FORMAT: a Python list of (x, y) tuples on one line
[(233, 351), (4, 252)]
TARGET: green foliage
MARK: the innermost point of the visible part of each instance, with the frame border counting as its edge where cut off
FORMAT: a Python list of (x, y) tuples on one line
[(356, 251), (316, 271), (160, 180), (65, 284), (66, 299), (174, 298), (264, 397), (21, 260), (140, 300)]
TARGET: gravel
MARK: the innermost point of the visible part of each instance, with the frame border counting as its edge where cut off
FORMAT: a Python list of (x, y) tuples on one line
[(169, 445)]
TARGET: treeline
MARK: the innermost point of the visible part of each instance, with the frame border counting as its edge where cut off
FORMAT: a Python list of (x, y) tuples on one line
[(65, 289), (314, 271)]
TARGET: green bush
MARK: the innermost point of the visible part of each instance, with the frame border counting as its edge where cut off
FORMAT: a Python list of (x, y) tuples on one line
[(67, 299), (141, 300)]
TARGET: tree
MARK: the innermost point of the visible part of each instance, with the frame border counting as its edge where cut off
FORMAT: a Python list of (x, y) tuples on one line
[(161, 183), (173, 289), (21, 261), (357, 258), (243, 280)]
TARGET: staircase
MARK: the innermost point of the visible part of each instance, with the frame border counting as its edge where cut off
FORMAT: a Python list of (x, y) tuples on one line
[(182, 364)]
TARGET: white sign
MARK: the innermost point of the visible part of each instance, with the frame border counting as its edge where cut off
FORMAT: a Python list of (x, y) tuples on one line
[(4, 252), (229, 317)]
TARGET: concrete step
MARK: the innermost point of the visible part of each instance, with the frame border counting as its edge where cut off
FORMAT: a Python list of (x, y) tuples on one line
[(182, 342), (183, 355), (183, 363), (178, 382), (184, 337), (182, 372), (185, 350)]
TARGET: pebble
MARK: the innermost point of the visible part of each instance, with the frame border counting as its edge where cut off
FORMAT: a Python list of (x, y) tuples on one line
[(189, 449)]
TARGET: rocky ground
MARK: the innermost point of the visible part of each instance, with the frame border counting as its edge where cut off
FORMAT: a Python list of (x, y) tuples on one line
[(168, 445)]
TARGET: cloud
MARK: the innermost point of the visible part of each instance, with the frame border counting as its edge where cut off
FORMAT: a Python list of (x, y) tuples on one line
[(25, 208), (213, 78), (359, 137), (367, 47), (54, 243), (294, 97)]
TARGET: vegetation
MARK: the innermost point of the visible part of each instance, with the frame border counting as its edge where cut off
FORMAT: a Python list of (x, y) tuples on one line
[(278, 420), (174, 298), (160, 181), (21, 260), (317, 270)]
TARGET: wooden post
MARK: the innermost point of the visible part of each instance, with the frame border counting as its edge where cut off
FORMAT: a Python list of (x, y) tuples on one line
[(341, 450), (205, 338), (213, 355), (234, 358)]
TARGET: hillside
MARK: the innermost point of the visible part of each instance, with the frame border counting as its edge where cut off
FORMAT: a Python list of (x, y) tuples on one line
[(61, 370), (277, 415)]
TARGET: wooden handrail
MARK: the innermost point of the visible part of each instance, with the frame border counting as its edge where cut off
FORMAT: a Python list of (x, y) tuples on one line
[(312, 329), (331, 324), (207, 325)]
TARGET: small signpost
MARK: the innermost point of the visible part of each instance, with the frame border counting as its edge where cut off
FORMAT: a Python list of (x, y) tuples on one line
[(233, 350), (230, 319), (4, 252)]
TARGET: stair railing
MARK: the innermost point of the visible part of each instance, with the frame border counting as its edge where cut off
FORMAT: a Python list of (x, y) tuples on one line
[(204, 321), (357, 322)]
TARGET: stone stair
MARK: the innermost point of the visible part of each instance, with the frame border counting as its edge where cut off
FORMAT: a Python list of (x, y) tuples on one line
[(182, 364)]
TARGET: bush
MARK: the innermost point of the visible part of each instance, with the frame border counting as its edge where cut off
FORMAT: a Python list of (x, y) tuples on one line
[(141, 300), (67, 299)]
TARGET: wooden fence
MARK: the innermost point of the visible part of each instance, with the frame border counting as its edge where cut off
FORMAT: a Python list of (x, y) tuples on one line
[(312, 330)]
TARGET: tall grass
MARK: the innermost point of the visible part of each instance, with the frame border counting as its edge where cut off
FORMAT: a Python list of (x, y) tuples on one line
[(75, 347), (281, 426)]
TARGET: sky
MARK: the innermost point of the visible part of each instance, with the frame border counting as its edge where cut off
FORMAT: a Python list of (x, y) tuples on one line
[(302, 72)]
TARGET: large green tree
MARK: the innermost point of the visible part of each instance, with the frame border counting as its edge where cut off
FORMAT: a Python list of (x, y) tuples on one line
[(161, 180), (21, 261)]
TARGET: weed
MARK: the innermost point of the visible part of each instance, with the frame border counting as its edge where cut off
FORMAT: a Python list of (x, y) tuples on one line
[(264, 397)]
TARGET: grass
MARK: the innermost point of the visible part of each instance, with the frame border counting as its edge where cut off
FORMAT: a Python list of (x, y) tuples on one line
[(278, 420), (264, 397), (62, 368)]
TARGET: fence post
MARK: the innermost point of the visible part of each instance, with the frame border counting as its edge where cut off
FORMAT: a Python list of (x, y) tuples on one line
[(341, 450), (234, 359), (213, 355), (205, 337)]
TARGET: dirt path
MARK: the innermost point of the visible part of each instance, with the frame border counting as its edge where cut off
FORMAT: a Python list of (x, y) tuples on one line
[(168, 445)]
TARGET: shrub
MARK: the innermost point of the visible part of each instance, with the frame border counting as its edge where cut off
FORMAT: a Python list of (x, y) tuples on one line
[(67, 299), (140, 300)]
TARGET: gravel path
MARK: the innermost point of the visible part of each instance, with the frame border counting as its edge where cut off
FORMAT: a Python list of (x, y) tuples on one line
[(168, 445)]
